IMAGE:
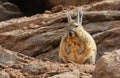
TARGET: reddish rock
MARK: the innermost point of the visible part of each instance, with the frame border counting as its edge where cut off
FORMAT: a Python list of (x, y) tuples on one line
[(57, 9), (16, 65), (73, 74), (71, 2), (108, 66)]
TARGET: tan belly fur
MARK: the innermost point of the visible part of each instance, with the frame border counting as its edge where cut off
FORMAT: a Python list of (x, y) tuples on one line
[(73, 47)]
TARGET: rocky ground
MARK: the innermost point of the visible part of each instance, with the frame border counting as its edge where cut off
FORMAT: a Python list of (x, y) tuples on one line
[(29, 45)]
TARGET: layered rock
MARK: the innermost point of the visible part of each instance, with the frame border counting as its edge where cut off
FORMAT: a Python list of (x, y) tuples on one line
[(16, 65), (39, 36), (71, 2)]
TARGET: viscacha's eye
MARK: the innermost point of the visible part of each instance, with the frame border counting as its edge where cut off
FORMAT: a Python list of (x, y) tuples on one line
[(76, 26)]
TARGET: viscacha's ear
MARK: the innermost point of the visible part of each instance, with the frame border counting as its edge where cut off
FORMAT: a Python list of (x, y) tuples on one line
[(68, 17), (79, 17)]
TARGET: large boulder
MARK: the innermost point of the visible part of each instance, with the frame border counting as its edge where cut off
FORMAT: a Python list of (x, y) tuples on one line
[(108, 66)]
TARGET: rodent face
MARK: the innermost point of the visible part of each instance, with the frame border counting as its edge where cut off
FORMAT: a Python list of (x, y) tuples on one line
[(73, 26)]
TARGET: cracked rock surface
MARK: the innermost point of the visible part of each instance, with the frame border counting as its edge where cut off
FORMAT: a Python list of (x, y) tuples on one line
[(29, 45)]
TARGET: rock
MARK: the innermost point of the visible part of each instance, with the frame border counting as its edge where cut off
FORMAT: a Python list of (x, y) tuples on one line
[(92, 4), (72, 74), (27, 67), (57, 9), (11, 63), (71, 2), (10, 7), (14, 73), (39, 35), (34, 68), (8, 11), (67, 75), (108, 40), (106, 5), (52, 69), (52, 55), (108, 65), (12, 59), (76, 71), (4, 74), (6, 57), (98, 27)]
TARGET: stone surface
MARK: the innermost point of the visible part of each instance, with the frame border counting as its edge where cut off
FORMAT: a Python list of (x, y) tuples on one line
[(3, 74), (71, 2), (52, 55), (34, 68), (108, 65), (108, 41), (27, 67), (8, 11), (67, 75), (39, 36), (106, 5)]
